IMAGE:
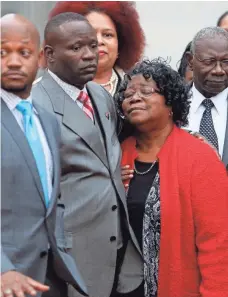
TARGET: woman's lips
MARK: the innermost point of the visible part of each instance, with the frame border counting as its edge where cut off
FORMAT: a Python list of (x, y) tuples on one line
[(102, 53)]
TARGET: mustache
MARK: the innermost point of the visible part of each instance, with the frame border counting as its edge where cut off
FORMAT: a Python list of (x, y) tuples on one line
[(11, 72)]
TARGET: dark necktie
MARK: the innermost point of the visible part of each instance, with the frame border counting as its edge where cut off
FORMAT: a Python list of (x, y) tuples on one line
[(207, 126)]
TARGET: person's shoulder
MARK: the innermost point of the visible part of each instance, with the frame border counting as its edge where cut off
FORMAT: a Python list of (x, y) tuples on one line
[(197, 149), (96, 89), (93, 86)]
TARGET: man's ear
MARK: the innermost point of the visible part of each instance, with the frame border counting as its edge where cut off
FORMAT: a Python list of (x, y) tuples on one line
[(49, 54), (42, 60), (189, 57)]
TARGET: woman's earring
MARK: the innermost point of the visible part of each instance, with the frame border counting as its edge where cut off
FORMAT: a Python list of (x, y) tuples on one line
[(170, 113)]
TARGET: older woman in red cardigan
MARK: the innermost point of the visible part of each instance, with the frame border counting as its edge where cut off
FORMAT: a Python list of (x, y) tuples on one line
[(178, 194)]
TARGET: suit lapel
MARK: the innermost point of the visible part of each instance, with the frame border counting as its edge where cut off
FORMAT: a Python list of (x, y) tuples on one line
[(74, 118), (104, 116), (10, 123), (45, 123), (225, 147)]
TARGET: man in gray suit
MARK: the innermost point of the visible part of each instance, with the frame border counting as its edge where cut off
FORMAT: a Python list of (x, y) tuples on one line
[(209, 104), (32, 236), (96, 221)]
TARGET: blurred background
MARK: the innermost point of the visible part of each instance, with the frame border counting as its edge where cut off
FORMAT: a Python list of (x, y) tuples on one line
[(168, 25)]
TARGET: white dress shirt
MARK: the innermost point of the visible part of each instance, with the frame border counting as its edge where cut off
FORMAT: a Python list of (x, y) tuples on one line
[(11, 101), (219, 114), (71, 90)]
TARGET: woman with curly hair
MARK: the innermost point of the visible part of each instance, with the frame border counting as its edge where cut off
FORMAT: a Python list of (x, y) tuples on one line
[(120, 37), (177, 195)]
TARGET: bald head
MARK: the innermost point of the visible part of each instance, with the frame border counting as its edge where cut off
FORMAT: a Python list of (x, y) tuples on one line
[(20, 43), (18, 23)]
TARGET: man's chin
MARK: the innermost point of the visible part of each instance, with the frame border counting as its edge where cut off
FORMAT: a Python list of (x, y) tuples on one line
[(14, 89), (88, 77)]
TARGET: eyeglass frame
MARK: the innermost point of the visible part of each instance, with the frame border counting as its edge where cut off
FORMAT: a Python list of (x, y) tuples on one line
[(213, 60), (140, 95)]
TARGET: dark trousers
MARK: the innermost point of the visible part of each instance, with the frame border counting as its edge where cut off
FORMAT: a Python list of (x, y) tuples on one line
[(139, 292), (58, 288)]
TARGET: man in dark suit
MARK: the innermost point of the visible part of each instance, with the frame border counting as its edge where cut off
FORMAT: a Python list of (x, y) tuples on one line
[(209, 104), (96, 219), (32, 236)]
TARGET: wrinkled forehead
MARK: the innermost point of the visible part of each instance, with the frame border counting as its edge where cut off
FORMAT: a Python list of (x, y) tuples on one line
[(212, 46)]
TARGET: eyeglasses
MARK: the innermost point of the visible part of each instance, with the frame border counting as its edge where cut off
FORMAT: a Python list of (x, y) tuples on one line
[(212, 63), (142, 93)]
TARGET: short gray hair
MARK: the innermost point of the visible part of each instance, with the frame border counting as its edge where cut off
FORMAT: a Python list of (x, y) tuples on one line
[(208, 33)]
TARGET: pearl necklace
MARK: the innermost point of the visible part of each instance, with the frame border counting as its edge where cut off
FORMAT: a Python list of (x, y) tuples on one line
[(112, 82)]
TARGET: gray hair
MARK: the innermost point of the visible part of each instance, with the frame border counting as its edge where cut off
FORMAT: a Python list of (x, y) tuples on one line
[(208, 33)]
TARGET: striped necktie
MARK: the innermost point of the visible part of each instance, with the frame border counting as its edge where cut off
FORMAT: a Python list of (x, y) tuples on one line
[(87, 105)]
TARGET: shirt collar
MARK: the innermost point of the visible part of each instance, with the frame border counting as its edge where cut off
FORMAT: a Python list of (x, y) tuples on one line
[(71, 90), (219, 100), (12, 100)]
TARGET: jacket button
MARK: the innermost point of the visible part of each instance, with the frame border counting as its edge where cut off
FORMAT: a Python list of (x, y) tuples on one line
[(114, 207), (43, 254), (112, 238), (59, 196)]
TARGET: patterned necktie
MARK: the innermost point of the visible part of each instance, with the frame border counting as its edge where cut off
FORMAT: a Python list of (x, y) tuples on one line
[(87, 105), (33, 138), (207, 126)]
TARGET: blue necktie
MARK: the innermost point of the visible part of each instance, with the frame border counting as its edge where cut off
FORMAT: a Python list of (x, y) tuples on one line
[(33, 138)]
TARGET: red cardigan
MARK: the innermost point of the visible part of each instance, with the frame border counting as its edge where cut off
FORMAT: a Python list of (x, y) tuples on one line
[(194, 217)]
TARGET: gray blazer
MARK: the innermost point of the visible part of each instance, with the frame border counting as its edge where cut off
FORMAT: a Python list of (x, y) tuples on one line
[(91, 189), (27, 226)]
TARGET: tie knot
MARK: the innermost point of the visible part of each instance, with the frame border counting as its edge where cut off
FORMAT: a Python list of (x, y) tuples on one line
[(208, 103), (83, 97), (25, 107)]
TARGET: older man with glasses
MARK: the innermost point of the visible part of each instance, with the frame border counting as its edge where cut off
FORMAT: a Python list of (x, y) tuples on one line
[(209, 108)]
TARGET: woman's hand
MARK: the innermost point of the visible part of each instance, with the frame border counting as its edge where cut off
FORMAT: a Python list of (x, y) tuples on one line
[(126, 174)]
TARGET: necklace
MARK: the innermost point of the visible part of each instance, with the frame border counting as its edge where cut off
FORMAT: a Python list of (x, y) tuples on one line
[(144, 172), (112, 82)]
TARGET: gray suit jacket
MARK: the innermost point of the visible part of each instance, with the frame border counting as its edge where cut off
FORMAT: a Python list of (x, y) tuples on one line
[(27, 226), (91, 187)]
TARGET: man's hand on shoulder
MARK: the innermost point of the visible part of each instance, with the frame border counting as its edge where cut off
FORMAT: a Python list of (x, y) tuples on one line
[(14, 283)]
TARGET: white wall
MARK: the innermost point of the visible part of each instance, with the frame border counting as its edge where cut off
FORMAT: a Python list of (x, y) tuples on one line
[(170, 25)]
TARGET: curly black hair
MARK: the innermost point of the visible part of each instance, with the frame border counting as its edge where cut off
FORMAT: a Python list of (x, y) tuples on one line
[(170, 84)]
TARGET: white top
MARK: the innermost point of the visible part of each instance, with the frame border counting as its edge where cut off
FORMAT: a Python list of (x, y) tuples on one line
[(219, 114), (72, 91), (11, 101)]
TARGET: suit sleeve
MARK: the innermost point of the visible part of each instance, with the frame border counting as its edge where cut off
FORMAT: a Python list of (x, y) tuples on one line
[(6, 264), (210, 211)]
